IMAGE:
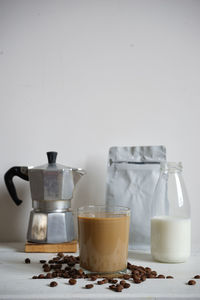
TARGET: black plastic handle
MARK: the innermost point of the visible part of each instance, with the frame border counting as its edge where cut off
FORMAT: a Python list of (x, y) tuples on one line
[(21, 172), (52, 155)]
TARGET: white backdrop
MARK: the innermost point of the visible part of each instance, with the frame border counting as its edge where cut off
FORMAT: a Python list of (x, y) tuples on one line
[(81, 76)]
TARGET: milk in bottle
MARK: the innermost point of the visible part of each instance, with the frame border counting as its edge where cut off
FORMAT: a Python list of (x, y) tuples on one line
[(170, 222)]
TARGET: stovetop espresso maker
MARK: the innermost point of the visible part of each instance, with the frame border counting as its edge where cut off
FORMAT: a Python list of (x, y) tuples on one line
[(52, 186)]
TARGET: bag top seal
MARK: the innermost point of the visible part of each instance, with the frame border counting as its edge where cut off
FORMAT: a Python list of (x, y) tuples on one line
[(137, 154)]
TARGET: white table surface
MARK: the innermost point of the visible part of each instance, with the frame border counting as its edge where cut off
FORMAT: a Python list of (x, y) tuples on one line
[(16, 279)]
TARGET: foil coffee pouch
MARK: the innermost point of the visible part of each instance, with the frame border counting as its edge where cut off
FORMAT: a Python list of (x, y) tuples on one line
[(132, 175)]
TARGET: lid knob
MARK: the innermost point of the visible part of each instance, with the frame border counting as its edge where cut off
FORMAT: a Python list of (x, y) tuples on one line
[(51, 155)]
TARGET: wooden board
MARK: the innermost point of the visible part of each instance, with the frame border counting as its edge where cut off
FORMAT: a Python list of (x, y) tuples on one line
[(51, 248)]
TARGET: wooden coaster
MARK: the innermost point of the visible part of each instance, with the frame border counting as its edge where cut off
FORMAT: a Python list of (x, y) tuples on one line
[(51, 248)]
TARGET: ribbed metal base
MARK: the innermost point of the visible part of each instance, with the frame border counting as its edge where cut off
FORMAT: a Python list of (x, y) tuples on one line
[(53, 227)]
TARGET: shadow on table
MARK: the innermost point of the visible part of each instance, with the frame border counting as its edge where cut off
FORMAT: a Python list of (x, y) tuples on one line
[(136, 255)]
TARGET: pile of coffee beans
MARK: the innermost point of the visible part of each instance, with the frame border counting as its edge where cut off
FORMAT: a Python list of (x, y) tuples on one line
[(66, 266)]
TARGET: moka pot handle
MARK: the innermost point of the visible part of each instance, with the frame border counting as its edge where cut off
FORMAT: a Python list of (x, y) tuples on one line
[(21, 172)]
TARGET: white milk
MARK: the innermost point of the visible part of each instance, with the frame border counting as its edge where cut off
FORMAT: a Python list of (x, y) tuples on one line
[(170, 239)]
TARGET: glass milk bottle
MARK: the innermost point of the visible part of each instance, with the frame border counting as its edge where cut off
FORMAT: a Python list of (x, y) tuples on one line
[(170, 221)]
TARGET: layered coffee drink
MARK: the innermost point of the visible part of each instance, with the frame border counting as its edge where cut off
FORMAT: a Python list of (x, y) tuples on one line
[(103, 238)]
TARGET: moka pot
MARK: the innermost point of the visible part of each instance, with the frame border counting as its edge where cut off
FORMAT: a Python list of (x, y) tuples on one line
[(52, 186)]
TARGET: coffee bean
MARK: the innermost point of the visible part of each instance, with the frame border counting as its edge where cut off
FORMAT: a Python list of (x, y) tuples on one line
[(112, 287), (54, 274), (60, 254), (66, 275), (191, 282), (55, 259), (197, 276), (113, 281), (148, 269), (100, 282), (80, 272), (119, 288), (136, 277), (50, 261), (34, 277), (154, 273), (143, 277), (160, 276), (27, 261), (71, 263), (122, 282), (72, 281), (89, 286), (169, 277), (126, 285), (41, 276), (93, 278), (53, 284), (126, 276), (137, 280), (48, 275), (105, 280), (42, 261), (47, 269), (136, 272)]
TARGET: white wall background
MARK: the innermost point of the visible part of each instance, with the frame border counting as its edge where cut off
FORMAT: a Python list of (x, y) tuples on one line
[(81, 76)]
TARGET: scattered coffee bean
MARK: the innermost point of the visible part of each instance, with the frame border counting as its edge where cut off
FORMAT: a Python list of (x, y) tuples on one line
[(27, 261), (54, 274), (72, 281), (160, 276), (60, 254), (89, 286), (151, 275), (197, 276), (42, 261), (47, 269), (126, 276), (112, 287), (114, 281), (136, 273), (48, 275), (119, 288), (50, 261), (126, 285), (154, 273), (137, 280), (93, 278), (169, 277), (143, 277), (80, 271), (148, 269), (122, 282), (191, 282), (53, 284)]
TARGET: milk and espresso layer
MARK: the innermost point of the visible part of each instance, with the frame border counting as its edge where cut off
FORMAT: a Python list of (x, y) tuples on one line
[(170, 238), (103, 242)]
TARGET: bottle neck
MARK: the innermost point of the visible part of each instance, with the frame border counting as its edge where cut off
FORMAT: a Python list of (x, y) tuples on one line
[(171, 167)]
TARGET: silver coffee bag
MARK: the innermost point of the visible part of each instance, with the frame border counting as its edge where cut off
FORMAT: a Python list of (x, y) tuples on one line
[(132, 175)]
